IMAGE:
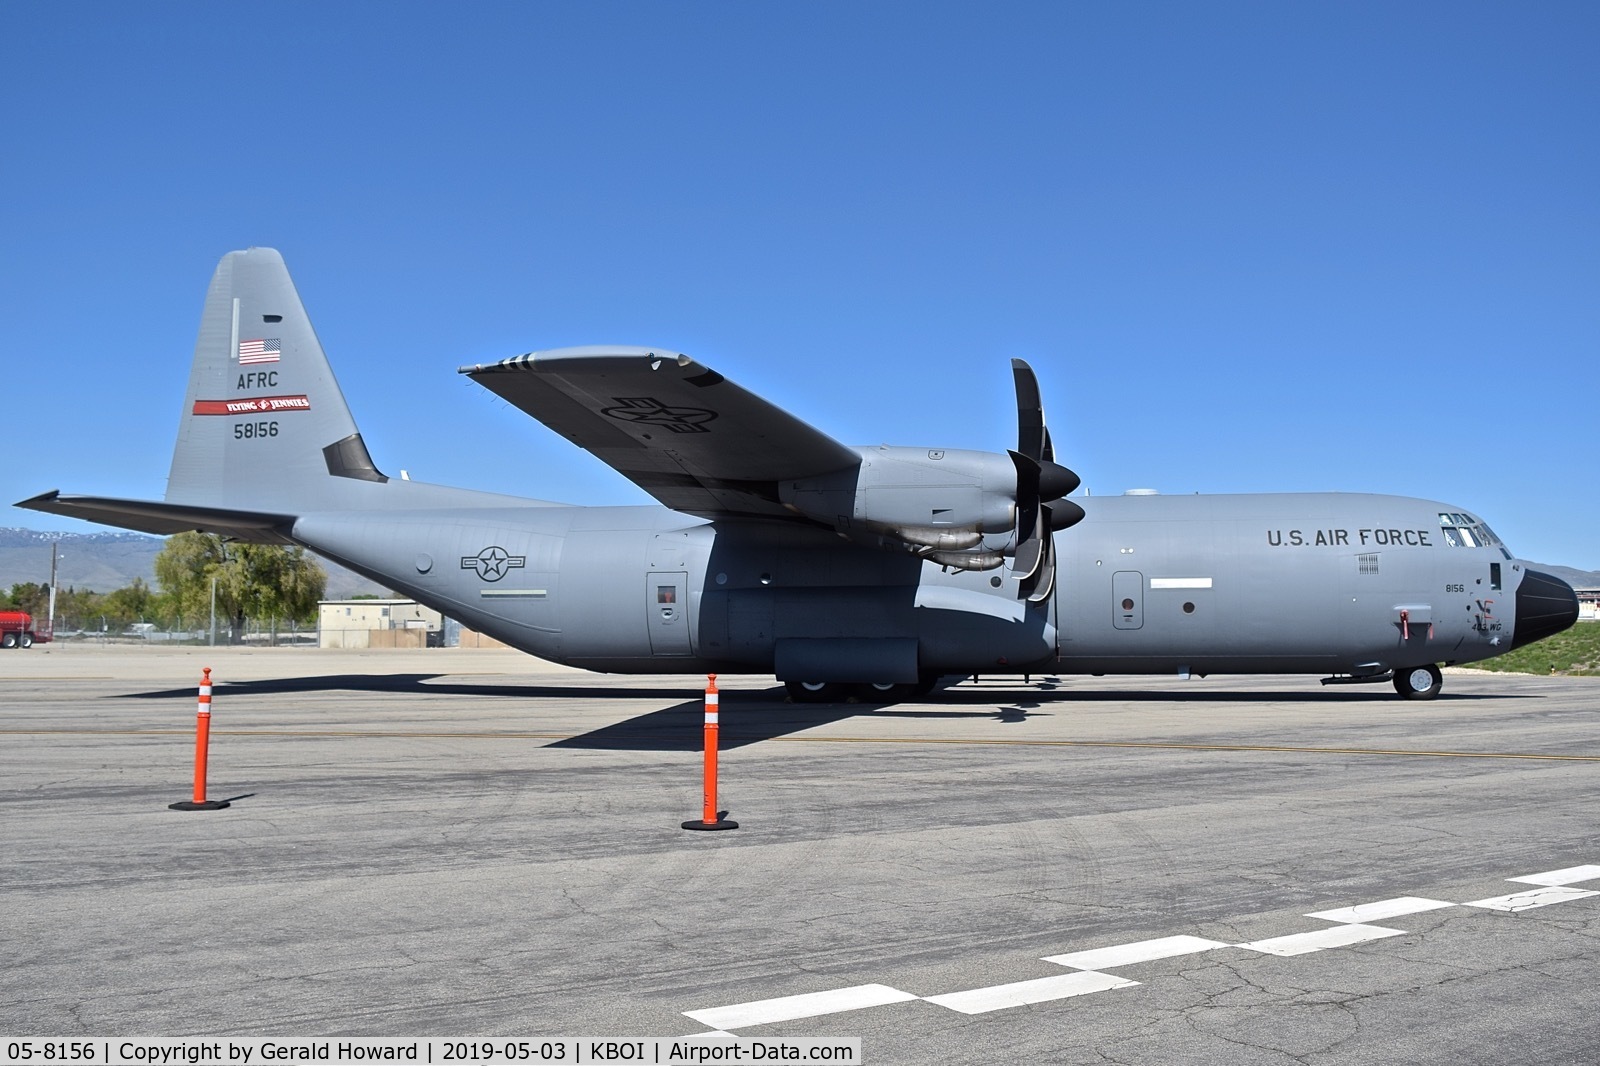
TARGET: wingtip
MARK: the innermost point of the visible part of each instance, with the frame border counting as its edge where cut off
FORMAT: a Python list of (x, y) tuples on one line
[(33, 502)]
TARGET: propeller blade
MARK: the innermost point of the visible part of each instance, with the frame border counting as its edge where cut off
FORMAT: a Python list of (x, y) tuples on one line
[(1039, 478), (1031, 434), (1032, 545), (1030, 528), (1044, 582)]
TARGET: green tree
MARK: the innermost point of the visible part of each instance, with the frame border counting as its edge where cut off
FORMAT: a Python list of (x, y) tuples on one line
[(129, 604), (77, 608), (29, 597), (261, 581), (184, 570)]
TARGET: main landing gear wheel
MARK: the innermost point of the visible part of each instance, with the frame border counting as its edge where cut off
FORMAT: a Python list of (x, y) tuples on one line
[(877, 692), (816, 691), (1419, 682), (885, 692)]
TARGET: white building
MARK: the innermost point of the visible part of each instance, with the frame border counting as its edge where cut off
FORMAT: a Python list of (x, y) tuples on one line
[(375, 624), (1588, 605)]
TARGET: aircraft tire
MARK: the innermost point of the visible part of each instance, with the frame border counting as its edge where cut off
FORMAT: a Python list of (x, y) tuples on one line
[(816, 691), (8, 640), (25, 641), (1419, 682), (885, 693)]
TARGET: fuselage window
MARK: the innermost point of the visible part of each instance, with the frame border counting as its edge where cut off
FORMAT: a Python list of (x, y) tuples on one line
[(666, 594), (1494, 576)]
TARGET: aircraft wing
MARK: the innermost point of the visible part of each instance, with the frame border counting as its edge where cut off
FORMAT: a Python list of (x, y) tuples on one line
[(682, 432)]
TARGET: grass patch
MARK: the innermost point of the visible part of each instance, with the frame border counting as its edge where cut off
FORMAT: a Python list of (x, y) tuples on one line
[(1572, 652)]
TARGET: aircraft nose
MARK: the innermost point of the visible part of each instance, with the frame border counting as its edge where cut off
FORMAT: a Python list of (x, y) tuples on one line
[(1545, 605)]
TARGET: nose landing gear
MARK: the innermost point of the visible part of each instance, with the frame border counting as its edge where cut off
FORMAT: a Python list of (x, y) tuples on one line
[(1419, 682)]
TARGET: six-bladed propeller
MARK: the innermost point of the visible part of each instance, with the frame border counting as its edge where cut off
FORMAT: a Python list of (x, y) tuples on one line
[(1041, 485), (958, 509)]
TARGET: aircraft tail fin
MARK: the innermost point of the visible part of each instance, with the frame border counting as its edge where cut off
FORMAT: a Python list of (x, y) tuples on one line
[(264, 426)]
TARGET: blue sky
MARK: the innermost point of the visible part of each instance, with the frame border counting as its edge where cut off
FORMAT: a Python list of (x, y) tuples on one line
[(1248, 246)]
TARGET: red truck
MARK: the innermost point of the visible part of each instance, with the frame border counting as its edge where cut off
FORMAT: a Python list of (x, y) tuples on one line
[(18, 631)]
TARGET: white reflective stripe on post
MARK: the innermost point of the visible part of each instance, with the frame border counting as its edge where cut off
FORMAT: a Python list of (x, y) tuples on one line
[(711, 718)]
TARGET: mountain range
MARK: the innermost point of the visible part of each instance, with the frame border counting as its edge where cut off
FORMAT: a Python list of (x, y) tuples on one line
[(105, 562)]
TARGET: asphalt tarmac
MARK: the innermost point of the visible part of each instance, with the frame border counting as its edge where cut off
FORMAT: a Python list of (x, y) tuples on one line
[(473, 843)]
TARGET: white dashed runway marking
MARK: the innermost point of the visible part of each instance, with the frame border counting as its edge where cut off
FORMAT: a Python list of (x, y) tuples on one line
[(1527, 901), (1340, 936), (789, 1008), (1040, 990), (1088, 978), (1144, 951), (1382, 910), (1571, 875)]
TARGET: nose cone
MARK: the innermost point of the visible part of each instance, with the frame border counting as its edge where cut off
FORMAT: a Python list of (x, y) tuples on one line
[(1545, 605)]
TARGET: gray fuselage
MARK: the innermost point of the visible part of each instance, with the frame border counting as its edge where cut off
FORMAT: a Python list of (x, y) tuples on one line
[(1333, 583)]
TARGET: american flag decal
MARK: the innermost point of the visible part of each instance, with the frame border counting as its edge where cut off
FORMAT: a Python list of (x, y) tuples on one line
[(262, 351)]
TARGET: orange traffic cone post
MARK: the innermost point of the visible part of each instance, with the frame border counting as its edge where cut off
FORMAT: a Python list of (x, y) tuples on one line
[(710, 817), (202, 746)]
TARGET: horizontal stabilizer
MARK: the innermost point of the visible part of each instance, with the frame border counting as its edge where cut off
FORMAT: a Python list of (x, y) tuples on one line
[(164, 519)]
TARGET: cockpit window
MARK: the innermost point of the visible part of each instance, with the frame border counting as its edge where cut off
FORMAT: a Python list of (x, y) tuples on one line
[(1464, 531)]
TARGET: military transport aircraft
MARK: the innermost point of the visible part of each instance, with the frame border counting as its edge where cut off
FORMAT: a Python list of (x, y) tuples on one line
[(841, 570)]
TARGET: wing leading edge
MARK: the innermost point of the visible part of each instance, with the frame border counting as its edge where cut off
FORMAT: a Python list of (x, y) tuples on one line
[(682, 432)]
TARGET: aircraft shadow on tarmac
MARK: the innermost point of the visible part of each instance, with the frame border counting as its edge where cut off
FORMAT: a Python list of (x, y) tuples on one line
[(750, 716), (407, 684), (1340, 694), (682, 727), (753, 716)]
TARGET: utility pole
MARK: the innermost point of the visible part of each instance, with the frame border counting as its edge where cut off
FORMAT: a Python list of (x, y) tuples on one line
[(53, 556), (213, 642)]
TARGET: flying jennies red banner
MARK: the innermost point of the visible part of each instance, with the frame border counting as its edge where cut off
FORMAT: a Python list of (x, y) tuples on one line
[(252, 405)]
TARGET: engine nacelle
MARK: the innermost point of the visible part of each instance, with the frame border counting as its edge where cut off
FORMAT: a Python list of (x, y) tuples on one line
[(941, 500)]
